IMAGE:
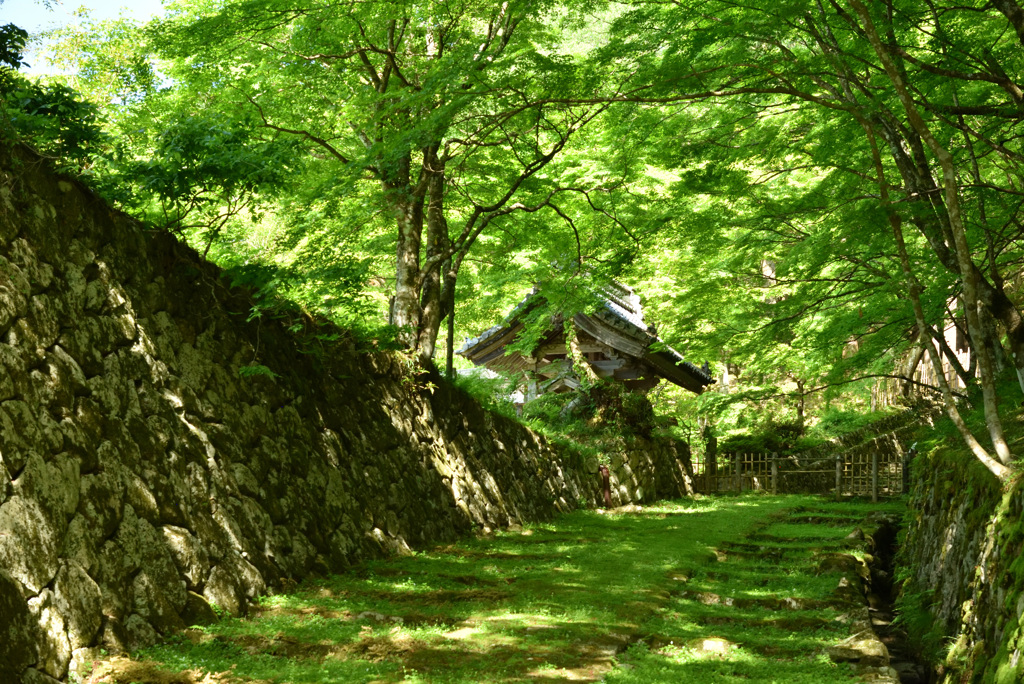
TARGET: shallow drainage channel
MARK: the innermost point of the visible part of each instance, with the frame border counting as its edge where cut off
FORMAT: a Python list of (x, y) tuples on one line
[(881, 596)]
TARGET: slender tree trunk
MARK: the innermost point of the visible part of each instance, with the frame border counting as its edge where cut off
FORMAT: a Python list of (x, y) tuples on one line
[(968, 270), (912, 363), (996, 346), (954, 362), (449, 357), (407, 208), (407, 282), (431, 301), (800, 403), (448, 297), (1000, 470)]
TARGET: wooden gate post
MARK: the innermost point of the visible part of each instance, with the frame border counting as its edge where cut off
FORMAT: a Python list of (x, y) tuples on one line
[(874, 476), (839, 477), (737, 459), (775, 473)]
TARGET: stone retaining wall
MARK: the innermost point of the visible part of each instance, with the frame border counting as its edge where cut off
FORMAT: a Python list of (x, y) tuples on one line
[(963, 557), (646, 470), (145, 478)]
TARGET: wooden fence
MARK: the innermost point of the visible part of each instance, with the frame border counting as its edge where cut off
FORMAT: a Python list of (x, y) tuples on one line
[(863, 471)]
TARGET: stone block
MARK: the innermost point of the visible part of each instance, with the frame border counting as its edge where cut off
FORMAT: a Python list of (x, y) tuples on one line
[(138, 633), (29, 543), (79, 601), (78, 341), (14, 295), (245, 480), (189, 554), (39, 274), (141, 499), (223, 591), (81, 544), (152, 603), (101, 501), (34, 676), (54, 646), (114, 579), (19, 630), (863, 648), (25, 431), (198, 611)]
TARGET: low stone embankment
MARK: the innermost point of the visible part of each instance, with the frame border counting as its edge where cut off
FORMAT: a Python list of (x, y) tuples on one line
[(146, 478), (964, 555)]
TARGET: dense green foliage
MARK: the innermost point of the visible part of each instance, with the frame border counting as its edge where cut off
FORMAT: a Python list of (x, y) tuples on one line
[(804, 195), (606, 406), (801, 144), (52, 116)]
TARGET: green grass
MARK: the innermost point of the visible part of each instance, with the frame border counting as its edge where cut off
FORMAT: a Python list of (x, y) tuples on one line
[(764, 635), (590, 597)]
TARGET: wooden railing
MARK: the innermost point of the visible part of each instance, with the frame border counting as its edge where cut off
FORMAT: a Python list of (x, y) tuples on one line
[(874, 469)]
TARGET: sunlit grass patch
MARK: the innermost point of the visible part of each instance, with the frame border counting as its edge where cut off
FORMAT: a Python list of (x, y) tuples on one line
[(729, 665), (808, 531), (268, 659)]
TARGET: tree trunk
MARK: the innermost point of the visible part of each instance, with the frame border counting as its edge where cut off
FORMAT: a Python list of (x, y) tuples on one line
[(969, 272), (407, 282), (954, 362), (448, 295), (419, 301), (431, 303), (407, 208), (436, 288), (912, 363), (992, 335), (710, 453), (800, 404), (1000, 470)]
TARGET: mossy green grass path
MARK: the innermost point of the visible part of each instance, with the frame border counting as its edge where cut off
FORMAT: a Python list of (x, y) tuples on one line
[(718, 590)]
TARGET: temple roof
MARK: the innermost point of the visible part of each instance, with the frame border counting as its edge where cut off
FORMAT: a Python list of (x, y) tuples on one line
[(622, 344)]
